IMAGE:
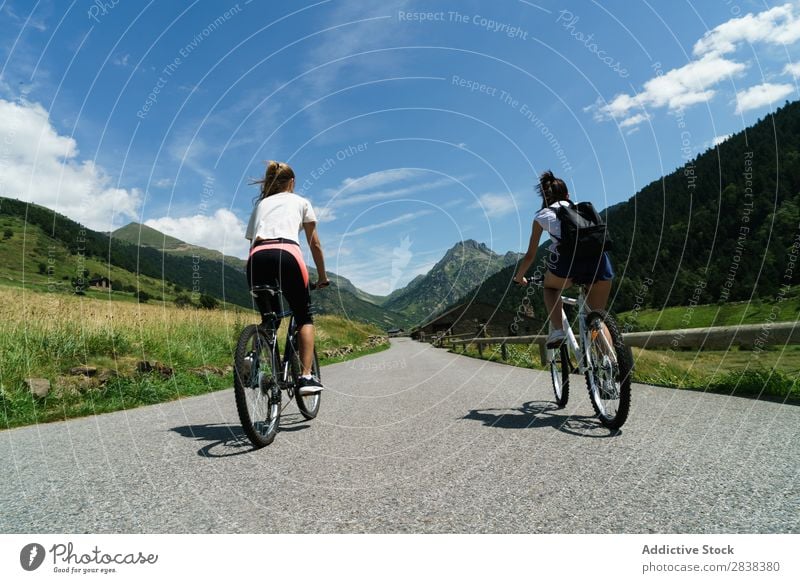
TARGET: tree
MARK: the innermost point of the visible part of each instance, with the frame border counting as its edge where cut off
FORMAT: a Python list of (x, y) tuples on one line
[(208, 302), (144, 297), (42, 268), (8, 233), (183, 301)]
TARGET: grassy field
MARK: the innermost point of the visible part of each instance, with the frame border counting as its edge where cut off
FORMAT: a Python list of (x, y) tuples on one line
[(771, 374), (729, 314), (44, 335)]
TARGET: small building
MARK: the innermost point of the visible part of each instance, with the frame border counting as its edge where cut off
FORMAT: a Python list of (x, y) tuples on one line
[(100, 283), (395, 332), (478, 318)]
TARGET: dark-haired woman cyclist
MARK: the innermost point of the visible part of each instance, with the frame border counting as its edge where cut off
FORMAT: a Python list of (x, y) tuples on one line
[(563, 270)]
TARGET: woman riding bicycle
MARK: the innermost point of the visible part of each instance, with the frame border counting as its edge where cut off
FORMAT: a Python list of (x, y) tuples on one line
[(276, 260), (563, 270)]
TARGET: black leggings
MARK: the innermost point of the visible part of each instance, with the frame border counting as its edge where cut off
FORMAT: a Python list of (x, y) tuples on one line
[(274, 265)]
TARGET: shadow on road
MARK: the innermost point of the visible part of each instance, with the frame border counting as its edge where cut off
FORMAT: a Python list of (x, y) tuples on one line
[(227, 440), (230, 438), (534, 414)]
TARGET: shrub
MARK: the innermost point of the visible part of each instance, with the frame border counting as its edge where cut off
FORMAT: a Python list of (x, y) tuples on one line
[(144, 297), (208, 302), (8, 233), (183, 301)]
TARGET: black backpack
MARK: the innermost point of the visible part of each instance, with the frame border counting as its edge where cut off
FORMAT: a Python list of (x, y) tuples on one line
[(583, 233)]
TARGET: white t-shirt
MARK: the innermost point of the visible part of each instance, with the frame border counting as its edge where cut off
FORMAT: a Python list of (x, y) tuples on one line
[(550, 222), (280, 215)]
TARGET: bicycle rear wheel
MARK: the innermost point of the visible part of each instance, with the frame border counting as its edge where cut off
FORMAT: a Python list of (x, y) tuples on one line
[(609, 376), (255, 385), (559, 374), (308, 404)]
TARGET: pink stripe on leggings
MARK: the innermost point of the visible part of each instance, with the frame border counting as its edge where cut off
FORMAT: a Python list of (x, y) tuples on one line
[(293, 249)]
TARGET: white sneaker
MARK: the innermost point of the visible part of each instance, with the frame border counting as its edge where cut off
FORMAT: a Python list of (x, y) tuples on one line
[(309, 386), (555, 338)]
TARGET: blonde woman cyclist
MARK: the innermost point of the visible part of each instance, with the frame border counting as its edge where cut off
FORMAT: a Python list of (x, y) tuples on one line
[(276, 259), (563, 270)]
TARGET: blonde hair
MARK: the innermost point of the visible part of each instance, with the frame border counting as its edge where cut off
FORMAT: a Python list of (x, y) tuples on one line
[(276, 179)]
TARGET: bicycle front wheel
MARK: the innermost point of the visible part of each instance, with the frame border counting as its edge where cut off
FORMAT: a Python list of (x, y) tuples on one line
[(608, 377), (308, 404), (559, 374), (255, 385)]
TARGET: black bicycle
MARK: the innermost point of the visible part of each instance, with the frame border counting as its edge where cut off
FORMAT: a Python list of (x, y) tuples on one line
[(261, 376)]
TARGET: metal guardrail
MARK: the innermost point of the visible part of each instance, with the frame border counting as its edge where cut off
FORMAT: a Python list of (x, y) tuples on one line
[(714, 338)]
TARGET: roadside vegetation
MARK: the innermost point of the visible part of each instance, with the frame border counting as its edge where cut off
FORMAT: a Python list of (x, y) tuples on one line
[(99, 355), (770, 374)]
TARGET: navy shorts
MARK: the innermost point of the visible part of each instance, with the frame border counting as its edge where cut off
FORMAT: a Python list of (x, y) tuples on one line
[(580, 271)]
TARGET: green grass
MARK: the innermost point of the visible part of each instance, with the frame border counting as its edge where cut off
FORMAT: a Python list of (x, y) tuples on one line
[(772, 374), (729, 314), (45, 335)]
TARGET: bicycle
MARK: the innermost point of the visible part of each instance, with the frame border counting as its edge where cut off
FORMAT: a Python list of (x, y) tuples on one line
[(260, 376), (607, 366)]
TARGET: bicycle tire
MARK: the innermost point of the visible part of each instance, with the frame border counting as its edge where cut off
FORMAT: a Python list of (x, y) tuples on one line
[(559, 374), (609, 387), (308, 404), (256, 386)]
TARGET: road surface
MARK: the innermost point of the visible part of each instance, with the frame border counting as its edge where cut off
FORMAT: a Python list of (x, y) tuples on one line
[(414, 439)]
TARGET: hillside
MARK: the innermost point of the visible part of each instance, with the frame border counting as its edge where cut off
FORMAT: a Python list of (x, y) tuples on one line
[(730, 218), (464, 264), (47, 249), (138, 234)]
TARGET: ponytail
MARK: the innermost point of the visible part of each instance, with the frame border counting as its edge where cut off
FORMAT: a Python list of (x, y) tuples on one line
[(551, 189), (276, 179)]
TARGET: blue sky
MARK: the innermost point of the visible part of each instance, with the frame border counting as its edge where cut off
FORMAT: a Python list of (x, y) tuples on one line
[(410, 125)]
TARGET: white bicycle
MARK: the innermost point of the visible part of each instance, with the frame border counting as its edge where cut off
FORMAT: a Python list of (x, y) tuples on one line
[(606, 365)]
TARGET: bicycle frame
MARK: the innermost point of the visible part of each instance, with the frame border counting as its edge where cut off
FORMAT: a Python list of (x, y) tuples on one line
[(578, 349)]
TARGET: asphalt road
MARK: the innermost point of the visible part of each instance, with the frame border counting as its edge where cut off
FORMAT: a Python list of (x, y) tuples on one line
[(414, 439)]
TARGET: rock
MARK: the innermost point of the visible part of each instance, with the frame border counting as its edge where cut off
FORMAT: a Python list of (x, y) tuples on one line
[(84, 370), (38, 387), (106, 375), (144, 366)]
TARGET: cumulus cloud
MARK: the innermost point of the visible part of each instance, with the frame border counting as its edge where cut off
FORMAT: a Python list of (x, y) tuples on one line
[(39, 165), (778, 26), (223, 231), (696, 81), (719, 139), (792, 69), (675, 90), (760, 95)]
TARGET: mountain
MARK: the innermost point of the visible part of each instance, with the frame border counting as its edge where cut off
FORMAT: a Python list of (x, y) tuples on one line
[(723, 227), (138, 234), (730, 221), (464, 264), (42, 248)]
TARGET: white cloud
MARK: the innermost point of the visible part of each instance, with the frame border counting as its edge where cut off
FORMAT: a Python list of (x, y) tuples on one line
[(401, 219), (39, 165), (223, 231), (163, 183), (634, 120), (676, 89), (719, 139), (696, 81), (760, 95), (379, 178), (496, 205), (792, 69), (778, 26), (121, 61)]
